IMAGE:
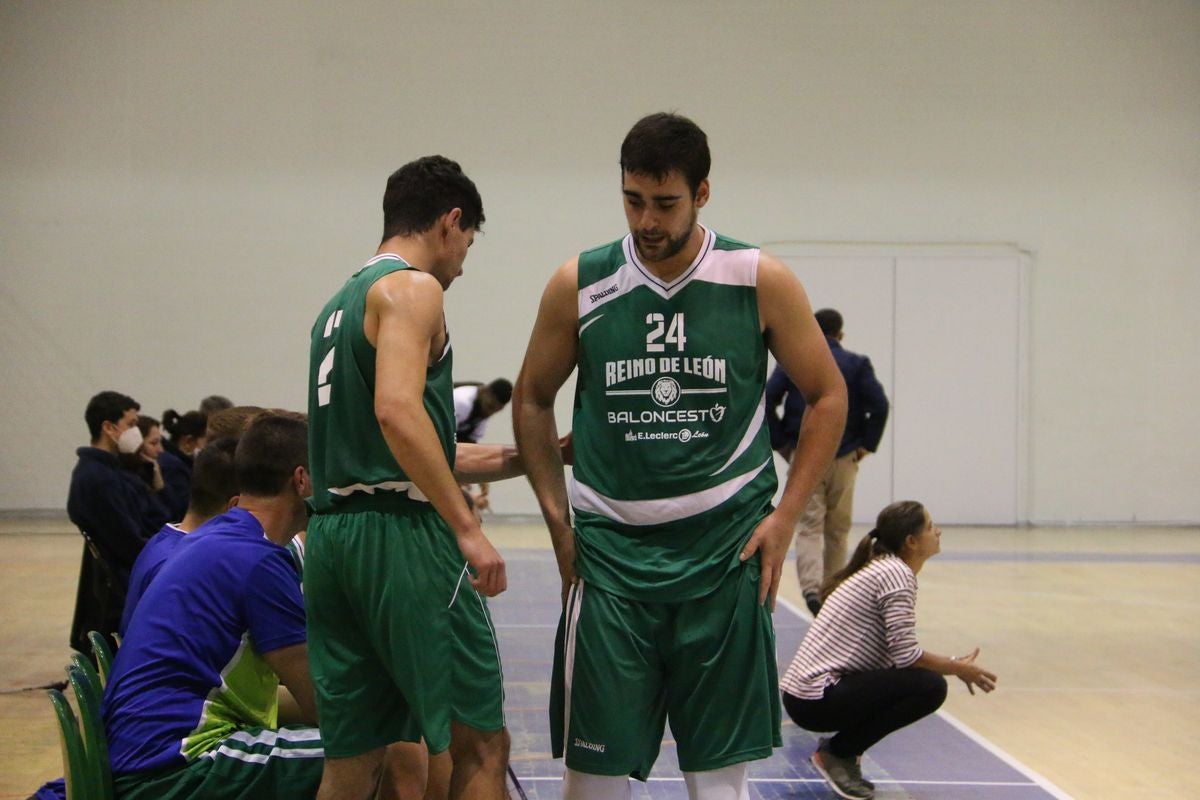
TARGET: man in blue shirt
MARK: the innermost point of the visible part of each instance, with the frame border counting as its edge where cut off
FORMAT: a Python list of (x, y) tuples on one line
[(213, 489), (824, 528), (191, 707)]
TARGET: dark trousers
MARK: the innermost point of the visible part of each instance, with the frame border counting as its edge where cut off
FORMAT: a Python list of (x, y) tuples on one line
[(866, 707)]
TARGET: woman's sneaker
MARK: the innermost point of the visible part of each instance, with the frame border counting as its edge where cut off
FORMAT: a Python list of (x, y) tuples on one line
[(842, 774)]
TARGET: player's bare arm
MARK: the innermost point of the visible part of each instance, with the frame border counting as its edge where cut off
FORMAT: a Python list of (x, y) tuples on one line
[(549, 360), (484, 463), (291, 665), (797, 343), (404, 312)]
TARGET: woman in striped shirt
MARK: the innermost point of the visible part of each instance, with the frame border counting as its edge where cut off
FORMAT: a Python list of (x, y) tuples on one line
[(859, 670)]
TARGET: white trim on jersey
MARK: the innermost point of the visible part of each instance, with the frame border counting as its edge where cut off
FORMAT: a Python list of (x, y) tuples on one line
[(384, 256), (588, 324), (393, 486), (726, 267), (757, 421), (663, 510)]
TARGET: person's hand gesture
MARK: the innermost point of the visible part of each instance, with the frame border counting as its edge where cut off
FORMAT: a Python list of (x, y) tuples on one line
[(489, 578), (973, 674)]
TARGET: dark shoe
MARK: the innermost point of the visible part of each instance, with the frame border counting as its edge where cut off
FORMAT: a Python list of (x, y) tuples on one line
[(813, 601), (840, 773), (856, 771)]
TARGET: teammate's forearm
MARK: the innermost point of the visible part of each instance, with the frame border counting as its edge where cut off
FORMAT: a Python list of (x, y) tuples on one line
[(483, 463)]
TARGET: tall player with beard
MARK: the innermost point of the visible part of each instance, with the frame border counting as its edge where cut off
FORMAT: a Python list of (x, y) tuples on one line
[(672, 561)]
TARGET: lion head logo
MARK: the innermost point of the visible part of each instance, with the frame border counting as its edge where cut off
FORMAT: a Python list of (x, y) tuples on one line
[(665, 392)]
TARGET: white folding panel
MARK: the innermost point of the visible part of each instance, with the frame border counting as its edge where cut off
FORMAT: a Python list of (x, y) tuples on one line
[(943, 326), (957, 386)]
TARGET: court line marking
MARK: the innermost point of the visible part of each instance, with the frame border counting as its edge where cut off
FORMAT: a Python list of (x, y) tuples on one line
[(820, 781), (1037, 778)]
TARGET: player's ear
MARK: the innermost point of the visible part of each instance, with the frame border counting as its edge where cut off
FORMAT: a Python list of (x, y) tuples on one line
[(702, 193), (302, 481), (451, 220)]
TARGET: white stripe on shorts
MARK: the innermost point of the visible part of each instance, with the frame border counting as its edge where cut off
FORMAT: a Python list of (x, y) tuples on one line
[(574, 605), (302, 735)]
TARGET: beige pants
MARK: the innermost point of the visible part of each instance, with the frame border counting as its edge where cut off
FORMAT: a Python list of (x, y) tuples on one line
[(824, 528)]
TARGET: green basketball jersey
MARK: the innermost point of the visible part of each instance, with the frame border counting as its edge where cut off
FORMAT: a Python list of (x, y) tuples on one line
[(673, 466), (351, 463)]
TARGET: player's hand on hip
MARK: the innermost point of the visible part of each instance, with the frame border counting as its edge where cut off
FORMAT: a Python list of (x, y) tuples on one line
[(489, 576), (770, 540)]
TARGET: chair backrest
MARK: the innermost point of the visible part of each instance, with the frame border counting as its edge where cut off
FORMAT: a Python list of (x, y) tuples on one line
[(102, 653), (86, 685), (73, 756)]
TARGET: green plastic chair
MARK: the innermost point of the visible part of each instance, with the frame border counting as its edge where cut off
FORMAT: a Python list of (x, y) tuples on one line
[(74, 759), (102, 653), (86, 685)]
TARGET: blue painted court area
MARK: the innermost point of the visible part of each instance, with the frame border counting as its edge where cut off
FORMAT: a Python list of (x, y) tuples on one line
[(934, 760)]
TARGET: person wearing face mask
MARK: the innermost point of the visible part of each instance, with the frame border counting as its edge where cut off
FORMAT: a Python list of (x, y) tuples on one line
[(114, 510)]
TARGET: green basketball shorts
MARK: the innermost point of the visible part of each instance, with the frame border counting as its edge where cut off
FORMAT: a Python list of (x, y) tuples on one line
[(253, 764), (622, 667), (399, 643)]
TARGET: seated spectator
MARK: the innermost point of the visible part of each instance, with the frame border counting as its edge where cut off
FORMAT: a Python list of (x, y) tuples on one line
[(186, 436), (154, 466), (191, 707), (214, 403), (114, 510), (185, 433), (213, 490), (859, 670)]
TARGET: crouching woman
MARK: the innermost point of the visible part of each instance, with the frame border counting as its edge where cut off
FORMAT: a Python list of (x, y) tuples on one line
[(859, 671)]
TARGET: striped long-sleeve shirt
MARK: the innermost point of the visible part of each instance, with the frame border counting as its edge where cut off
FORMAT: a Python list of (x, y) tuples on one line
[(868, 623)]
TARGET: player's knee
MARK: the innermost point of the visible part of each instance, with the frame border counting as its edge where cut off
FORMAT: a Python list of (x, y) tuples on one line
[(726, 783), (583, 786)]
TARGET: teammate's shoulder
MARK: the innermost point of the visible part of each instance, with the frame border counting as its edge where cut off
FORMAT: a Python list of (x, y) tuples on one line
[(615, 248)]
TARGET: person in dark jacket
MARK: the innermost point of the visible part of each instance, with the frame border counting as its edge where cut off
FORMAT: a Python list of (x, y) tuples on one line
[(114, 510), (824, 528)]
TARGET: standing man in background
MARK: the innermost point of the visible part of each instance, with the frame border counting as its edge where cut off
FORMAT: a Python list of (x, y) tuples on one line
[(825, 526), (674, 555)]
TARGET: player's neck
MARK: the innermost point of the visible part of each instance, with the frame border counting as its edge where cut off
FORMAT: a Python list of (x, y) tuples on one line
[(415, 251), (281, 517)]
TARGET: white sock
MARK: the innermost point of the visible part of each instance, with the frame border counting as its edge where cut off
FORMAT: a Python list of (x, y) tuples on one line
[(726, 783), (583, 786)]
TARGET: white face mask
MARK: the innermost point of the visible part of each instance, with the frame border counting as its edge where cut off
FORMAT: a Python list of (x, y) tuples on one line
[(130, 441)]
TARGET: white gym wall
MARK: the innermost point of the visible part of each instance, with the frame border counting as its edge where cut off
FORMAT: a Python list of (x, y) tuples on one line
[(183, 184)]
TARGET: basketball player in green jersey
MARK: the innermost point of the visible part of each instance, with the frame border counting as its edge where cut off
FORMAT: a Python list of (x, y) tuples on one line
[(672, 561), (401, 643)]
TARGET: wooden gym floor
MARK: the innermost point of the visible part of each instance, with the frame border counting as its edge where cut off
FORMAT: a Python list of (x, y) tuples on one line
[(1094, 632)]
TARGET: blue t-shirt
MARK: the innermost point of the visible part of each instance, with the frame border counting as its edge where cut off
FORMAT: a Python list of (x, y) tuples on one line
[(148, 563), (190, 671)]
